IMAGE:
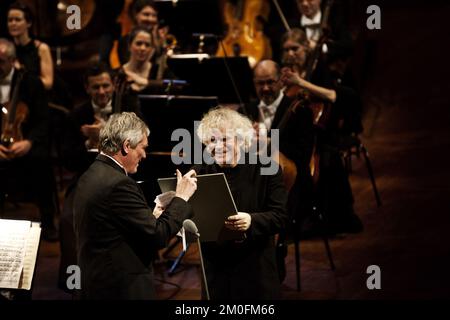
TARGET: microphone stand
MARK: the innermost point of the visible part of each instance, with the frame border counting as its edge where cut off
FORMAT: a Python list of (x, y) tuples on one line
[(189, 226), (203, 268)]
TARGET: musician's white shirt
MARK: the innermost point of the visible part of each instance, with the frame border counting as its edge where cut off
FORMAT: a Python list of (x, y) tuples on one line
[(5, 87), (267, 112), (311, 33)]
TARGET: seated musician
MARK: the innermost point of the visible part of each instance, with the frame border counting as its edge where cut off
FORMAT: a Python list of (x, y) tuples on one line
[(139, 69), (141, 72), (247, 269), (311, 16), (335, 190), (144, 14), (86, 120), (25, 162), (32, 54), (271, 111)]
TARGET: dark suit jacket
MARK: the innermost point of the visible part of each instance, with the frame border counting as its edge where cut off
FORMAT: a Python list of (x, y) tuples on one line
[(117, 235)]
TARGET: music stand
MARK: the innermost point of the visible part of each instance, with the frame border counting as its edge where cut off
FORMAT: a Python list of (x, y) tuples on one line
[(211, 77)]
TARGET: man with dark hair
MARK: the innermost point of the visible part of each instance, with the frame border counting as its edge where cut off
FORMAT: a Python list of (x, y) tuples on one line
[(85, 121)]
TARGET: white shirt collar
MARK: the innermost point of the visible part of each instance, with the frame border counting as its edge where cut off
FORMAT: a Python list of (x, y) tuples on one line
[(274, 104), (267, 112), (305, 21), (117, 162), (5, 87), (103, 112), (10, 76)]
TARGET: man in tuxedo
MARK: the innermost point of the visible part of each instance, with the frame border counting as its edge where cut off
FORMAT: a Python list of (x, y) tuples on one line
[(311, 15), (117, 234), (296, 130), (25, 164)]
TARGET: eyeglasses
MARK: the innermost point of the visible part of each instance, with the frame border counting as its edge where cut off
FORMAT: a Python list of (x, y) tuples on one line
[(269, 82)]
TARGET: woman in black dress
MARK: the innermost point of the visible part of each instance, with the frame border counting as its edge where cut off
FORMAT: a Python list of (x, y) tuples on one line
[(32, 54)]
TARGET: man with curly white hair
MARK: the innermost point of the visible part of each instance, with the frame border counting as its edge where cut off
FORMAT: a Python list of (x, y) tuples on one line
[(244, 269)]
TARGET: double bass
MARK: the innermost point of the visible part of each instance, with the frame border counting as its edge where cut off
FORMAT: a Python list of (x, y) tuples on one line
[(245, 36), (15, 113)]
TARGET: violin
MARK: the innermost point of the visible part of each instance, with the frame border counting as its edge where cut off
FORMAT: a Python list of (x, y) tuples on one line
[(15, 113), (245, 36)]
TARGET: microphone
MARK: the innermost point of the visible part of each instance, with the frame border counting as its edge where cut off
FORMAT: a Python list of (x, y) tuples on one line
[(191, 227)]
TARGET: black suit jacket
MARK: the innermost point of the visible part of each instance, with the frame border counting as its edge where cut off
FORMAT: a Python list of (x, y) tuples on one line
[(248, 270), (117, 234)]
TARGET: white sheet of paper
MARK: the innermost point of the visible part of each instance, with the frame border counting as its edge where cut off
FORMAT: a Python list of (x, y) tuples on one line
[(13, 237)]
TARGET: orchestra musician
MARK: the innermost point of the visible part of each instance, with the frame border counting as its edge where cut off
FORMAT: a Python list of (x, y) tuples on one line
[(296, 136), (117, 234), (25, 163), (242, 269), (86, 120), (144, 13), (311, 14), (334, 188), (32, 54), (139, 69)]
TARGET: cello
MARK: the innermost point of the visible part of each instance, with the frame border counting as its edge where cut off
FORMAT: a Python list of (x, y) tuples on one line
[(15, 113), (245, 36)]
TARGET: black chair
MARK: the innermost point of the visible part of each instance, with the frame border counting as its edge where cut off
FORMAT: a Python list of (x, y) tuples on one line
[(352, 146)]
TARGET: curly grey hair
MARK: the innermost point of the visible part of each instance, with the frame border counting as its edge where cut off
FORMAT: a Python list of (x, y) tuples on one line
[(225, 118), (119, 128)]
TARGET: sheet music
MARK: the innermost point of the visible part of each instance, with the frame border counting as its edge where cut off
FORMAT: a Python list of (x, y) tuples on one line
[(31, 250), (13, 236)]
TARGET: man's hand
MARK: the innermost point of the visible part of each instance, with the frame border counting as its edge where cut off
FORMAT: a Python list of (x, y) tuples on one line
[(20, 148), (92, 131), (158, 211), (239, 222), (186, 185)]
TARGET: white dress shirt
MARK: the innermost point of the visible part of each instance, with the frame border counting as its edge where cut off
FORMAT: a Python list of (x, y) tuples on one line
[(312, 33), (5, 87), (267, 112)]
